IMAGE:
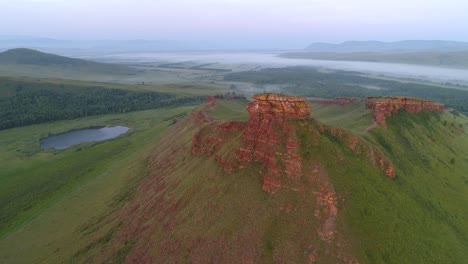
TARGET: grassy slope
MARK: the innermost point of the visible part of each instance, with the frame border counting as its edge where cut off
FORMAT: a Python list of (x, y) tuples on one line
[(230, 110), (51, 194), (456, 59), (179, 89), (416, 218), (216, 213), (354, 116), (419, 217)]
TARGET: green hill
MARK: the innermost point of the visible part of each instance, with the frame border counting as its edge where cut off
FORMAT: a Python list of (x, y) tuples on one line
[(181, 192), (22, 58)]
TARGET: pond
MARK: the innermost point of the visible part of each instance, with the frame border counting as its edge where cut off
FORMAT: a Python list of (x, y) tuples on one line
[(65, 140)]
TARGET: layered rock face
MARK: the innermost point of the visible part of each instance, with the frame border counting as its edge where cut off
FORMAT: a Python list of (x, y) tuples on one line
[(278, 106), (268, 138), (271, 139), (387, 106)]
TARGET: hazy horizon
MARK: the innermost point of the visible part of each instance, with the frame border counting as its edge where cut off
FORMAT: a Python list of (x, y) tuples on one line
[(237, 23)]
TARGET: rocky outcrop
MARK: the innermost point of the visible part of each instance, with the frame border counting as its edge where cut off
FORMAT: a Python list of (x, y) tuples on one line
[(269, 138), (383, 107), (278, 106), (181, 210)]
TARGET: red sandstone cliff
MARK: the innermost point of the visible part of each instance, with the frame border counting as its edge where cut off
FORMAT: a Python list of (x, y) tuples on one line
[(387, 106), (168, 220), (269, 138)]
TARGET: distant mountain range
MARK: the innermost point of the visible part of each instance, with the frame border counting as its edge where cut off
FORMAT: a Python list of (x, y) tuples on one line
[(109, 46), (399, 46)]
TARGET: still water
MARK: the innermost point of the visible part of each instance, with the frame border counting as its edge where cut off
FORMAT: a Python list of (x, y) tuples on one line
[(65, 140)]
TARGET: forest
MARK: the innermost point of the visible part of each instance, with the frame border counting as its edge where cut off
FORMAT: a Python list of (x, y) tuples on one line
[(311, 82), (24, 103)]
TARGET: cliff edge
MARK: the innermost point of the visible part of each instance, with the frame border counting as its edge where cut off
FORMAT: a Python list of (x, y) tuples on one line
[(383, 107)]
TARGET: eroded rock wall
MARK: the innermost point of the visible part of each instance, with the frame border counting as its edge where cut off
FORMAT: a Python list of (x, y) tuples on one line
[(384, 107), (269, 137)]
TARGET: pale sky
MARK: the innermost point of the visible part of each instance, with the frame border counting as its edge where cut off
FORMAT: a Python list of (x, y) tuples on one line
[(281, 23)]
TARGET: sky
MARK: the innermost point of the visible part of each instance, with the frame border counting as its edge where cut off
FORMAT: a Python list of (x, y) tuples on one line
[(242, 23)]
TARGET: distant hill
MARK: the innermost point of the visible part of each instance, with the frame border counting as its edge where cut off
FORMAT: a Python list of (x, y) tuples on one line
[(30, 57), (458, 59), (101, 46), (398, 46)]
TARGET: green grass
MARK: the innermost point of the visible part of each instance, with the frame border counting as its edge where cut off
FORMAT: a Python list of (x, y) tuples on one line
[(228, 211), (418, 217), (231, 110), (48, 194), (176, 88), (354, 117)]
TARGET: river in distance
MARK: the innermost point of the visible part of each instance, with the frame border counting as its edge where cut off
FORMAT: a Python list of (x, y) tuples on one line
[(273, 60)]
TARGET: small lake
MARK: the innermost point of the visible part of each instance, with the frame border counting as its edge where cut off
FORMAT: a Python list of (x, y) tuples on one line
[(68, 139)]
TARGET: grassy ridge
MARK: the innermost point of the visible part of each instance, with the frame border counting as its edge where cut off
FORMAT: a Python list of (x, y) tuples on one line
[(415, 218), (418, 217), (33, 179)]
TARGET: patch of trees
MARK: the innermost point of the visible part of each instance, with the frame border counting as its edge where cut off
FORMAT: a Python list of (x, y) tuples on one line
[(310, 82), (32, 103)]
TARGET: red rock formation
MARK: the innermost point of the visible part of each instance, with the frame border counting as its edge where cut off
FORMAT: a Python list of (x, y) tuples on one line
[(278, 106), (164, 224), (387, 106), (270, 139)]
